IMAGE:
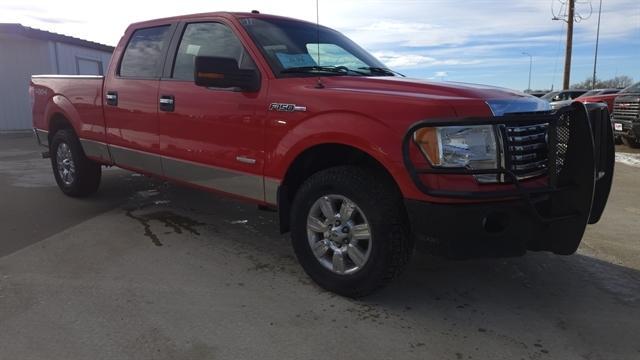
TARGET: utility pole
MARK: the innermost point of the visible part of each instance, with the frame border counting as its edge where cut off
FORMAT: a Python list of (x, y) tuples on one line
[(595, 58), (567, 54), (530, 66)]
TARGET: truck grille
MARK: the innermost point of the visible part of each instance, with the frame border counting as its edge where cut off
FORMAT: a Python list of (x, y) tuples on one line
[(626, 110), (526, 149)]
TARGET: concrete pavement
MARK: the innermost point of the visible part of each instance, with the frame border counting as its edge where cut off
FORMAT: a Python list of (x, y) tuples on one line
[(148, 270)]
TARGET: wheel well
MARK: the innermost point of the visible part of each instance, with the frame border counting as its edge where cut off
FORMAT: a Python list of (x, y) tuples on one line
[(318, 158), (58, 122)]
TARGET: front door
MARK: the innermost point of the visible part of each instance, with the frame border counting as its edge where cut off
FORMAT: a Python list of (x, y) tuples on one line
[(211, 137)]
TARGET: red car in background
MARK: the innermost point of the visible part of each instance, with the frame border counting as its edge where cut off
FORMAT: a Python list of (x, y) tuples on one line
[(606, 96)]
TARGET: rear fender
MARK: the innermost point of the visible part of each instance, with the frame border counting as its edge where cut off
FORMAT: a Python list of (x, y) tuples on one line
[(59, 104)]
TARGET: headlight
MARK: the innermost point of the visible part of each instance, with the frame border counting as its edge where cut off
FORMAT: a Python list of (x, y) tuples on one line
[(459, 146)]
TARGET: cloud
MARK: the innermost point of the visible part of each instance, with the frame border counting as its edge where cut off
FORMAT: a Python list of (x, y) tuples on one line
[(410, 34), (411, 60), (471, 39), (56, 20)]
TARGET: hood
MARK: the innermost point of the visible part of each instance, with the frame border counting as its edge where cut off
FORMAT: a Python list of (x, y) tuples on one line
[(499, 100)]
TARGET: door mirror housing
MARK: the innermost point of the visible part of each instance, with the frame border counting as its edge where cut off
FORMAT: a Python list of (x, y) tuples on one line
[(219, 72)]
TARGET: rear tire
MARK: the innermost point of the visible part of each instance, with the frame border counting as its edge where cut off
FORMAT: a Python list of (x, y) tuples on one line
[(76, 175), (631, 142), (377, 211)]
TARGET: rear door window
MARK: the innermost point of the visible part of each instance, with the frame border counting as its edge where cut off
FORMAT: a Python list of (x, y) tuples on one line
[(144, 54)]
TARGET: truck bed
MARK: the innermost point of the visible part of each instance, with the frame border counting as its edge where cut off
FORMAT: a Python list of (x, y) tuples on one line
[(77, 98)]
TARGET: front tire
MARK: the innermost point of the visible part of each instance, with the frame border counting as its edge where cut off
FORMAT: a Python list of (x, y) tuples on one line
[(349, 230), (76, 175)]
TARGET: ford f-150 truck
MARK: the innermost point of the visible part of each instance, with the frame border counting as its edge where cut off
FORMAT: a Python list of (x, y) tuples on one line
[(358, 160)]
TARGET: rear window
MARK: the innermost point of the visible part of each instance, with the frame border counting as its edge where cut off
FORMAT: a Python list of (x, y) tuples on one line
[(143, 55)]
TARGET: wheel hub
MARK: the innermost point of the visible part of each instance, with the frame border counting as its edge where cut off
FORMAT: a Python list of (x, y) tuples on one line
[(338, 234), (65, 164)]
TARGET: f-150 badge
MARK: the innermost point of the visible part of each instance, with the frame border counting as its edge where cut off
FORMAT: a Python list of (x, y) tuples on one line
[(286, 107)]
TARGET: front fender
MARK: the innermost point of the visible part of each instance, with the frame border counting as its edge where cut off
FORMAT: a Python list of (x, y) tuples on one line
[(369, 135)]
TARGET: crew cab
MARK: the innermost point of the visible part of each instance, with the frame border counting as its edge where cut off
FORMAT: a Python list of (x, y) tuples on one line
[(359, 161)]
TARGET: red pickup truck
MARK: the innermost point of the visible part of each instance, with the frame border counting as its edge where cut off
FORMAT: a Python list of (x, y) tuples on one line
[(358, 160)]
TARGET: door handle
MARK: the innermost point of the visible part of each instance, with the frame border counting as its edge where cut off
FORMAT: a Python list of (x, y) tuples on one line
[(112, 98), (246, 160), (167, 103)]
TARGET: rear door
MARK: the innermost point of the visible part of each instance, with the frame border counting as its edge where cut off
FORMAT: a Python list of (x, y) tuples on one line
[(211, 137), (131, 99)]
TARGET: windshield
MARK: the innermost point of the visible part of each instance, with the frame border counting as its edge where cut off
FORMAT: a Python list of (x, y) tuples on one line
[(635, 88), (292, 49)]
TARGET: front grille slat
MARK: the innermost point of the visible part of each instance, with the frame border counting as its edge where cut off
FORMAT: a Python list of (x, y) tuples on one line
[(527, 147), (542, 164), (625, 110)]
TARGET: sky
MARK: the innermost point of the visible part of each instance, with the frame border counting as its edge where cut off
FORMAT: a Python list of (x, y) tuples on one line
[(476, 41)]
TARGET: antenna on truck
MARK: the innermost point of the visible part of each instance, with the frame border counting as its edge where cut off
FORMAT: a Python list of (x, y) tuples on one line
[(319, 84)]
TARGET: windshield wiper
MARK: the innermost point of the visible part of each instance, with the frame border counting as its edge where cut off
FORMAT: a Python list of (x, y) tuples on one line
[(381, 70), (338, 70)]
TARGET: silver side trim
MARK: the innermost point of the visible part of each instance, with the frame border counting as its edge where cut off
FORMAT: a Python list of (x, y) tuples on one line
[(271, 190), (67, 76), (96, 149), (42, 137), (233, 182), (246, 185), (136, 159)]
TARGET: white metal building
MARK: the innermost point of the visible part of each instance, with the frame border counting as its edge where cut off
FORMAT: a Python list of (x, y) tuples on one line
[(25, 51)]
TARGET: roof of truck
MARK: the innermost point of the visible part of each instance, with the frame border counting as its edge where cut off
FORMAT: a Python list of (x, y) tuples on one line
[(223, 14)]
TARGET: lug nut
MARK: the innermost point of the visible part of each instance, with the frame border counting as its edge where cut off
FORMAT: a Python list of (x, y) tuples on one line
[(345, 230), (338, 222)]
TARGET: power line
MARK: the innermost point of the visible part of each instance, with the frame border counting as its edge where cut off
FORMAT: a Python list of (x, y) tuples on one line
[(570, 16)]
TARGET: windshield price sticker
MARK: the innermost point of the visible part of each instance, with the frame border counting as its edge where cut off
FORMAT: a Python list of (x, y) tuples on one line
[(295, 60)]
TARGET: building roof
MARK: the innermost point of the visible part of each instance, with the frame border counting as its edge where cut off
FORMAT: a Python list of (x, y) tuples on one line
[(18, 29)]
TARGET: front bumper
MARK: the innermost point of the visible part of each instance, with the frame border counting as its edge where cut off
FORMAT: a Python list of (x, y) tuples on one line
[(553, 217), (495, 229), (629, 128)]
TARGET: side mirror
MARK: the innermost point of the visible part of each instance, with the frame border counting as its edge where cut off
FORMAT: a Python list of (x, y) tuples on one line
[(221, 72)]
